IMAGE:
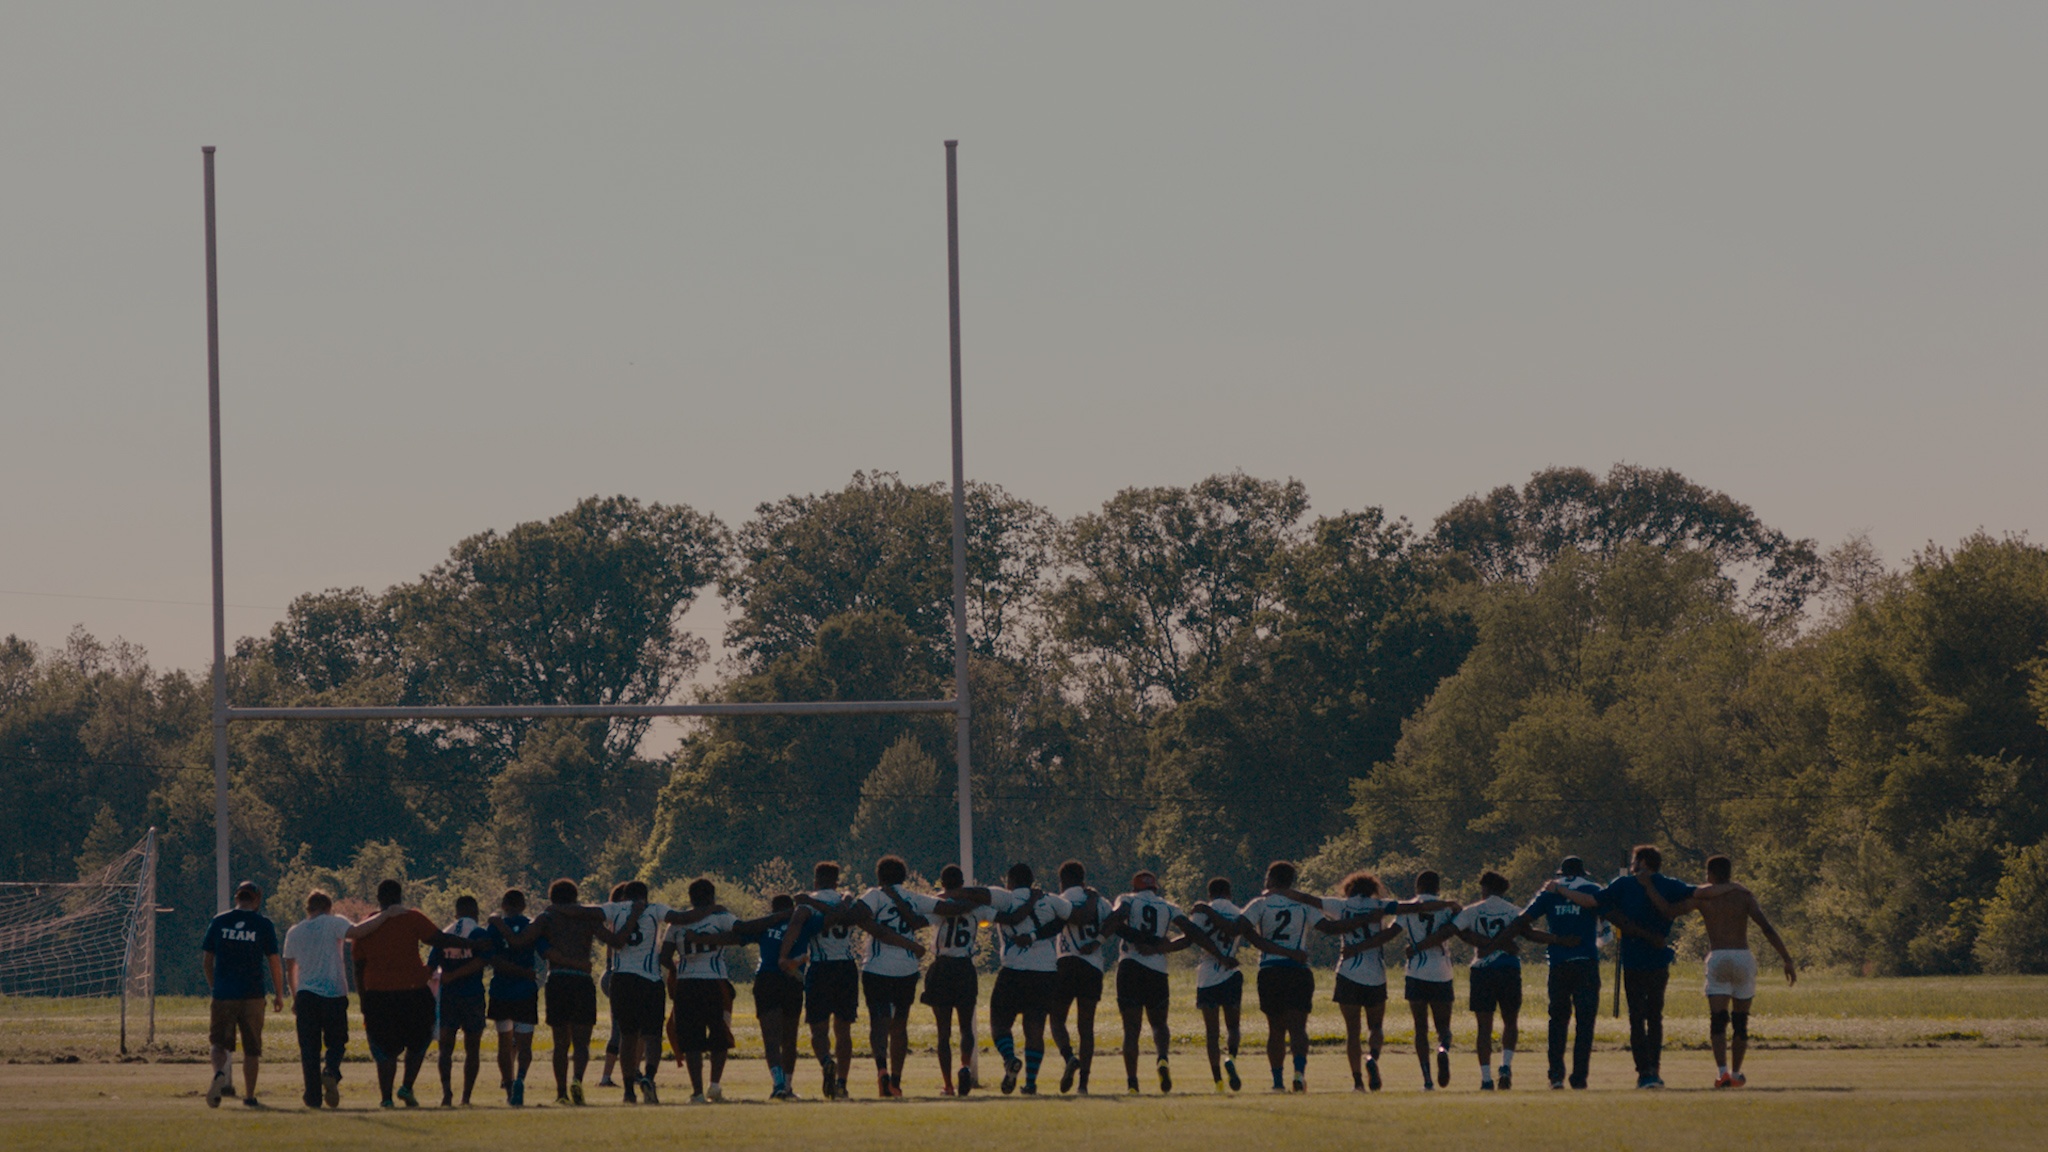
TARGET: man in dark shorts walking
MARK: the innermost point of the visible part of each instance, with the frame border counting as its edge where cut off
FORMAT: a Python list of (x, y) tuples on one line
[(398, 1005), (952, 987), (514, 1008), (238, 943), (701, 991), (461, 1005), (1428, 986)]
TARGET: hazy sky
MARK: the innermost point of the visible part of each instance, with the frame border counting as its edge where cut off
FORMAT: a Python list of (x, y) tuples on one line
[(478, 261)]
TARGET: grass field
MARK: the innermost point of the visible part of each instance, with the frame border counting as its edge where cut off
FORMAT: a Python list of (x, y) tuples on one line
[(1840, 1062)]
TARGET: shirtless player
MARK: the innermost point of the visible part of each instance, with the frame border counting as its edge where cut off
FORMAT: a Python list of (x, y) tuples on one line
[(569, 929), (1725, 909)]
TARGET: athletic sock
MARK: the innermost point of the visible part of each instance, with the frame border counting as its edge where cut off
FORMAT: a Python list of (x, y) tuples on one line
[(781, 1081), (1279, 1077), (1724, 1069), (1300, 1067), (1507, 1057), (1006, 1047), (1485, 1074), (1033, 1057)]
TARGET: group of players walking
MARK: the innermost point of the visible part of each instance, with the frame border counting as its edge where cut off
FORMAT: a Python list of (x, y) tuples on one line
[(666, 977)]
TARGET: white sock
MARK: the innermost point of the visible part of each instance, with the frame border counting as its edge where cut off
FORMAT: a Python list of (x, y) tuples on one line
[(1507, 1057), (1485, 1074), (1724, 1069)]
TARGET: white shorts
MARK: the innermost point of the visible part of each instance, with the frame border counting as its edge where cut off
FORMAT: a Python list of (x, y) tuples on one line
[(1732, 972)]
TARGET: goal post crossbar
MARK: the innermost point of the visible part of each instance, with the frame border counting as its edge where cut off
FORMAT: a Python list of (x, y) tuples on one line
[(595, 711)]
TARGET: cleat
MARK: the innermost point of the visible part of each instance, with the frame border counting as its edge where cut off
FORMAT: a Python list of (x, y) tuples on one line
[(1655, 1082), (1278, 1089), (1029, 1089), (1507, 1078), (519, 1093), (697, 1098), (966, 1079), (607, 1082), (647, 1092), (251, 1102), (1230, 1072), (1300, 1085), (715, 1093), (1443, 1067), (1557, 1083), (630, 1098), (1165, 1076), (1737, 1080), (576, 1093), (1220, 1088), (386, 1103), (1131, 1085), (561, 1101), (1486, 1085), (1578, 1083), (1723, 1080), (1372, 1075), (1072, 1070), (405, 1094), (217, 1088), (330, 1085), (1010, 1070)]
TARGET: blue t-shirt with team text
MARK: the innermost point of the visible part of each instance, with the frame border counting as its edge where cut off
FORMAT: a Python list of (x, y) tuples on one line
[(1625, 895), (445, 960), (505, 985), (1564, 918), (770, 940), (240, 940)]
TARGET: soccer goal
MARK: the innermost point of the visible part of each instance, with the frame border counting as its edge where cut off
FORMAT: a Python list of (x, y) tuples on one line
[(90, 937)]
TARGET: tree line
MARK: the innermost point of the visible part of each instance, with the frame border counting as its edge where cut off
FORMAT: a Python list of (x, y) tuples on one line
[(1192, 679)]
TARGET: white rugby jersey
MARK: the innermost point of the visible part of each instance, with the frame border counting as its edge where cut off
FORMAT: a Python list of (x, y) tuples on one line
[(1487, 918), (954, 935), (1369, 966), (1089, 930), (1017, 953), (891, 959), (1434, 964), (639, 953), (1284, 922), (696, 961), (835, 942), (1209, 972), (1151, 915)]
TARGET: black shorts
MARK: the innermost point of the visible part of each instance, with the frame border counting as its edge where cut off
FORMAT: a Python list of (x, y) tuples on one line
[(700, 1016), (1140, 987), (831, 989), (1428, 991), (1497, 989), (398, 1022), (524, 1010), (951, 982), (1225, 993), (1076, 979), (888, 997), (778, 991), (1286, 988), (572, 999), (1350, 991), (462, 1014), (1019, 993), (639, 1005)]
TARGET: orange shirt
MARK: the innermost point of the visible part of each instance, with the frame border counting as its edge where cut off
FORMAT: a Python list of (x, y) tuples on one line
[(390, 956)]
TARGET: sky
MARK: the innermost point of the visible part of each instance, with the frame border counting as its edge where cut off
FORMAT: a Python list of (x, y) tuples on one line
[(481, 260)]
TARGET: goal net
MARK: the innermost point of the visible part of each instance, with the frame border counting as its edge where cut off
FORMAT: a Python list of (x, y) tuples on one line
[(95, 936)]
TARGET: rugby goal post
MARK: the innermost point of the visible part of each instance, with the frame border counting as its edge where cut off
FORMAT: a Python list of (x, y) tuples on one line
[(90, 937), (224, 713)]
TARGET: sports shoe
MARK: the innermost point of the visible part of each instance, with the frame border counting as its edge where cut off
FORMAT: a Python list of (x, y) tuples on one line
[(882, 1085), (1131, 1085), (561, 1101), (1010, 1069), (1029, 1088), (217, 1088), (1230, 1072), (1165, 1076), (1068, 1074), (1428, 1087), (782, 1094), (715, 1093), (1578, 1083), (576, 1093), (1372, 1075), (1443, 1067), (386, 1103), (330, 1085), (647, 1091), (697, 1098), (1737, 1080), (1220, 1088), (405, 1094), (607, 1082), (965, 1079), (1507, 1078), (251, 1102), (518, 1094), (630, 1098), (1486, 1085), (1300, 1085), (1655, 1082), (1724, 1080), (1557, 1083)]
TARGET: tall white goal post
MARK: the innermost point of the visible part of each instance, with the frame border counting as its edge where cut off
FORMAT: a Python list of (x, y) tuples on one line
[(224, 713), (94, 936)]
